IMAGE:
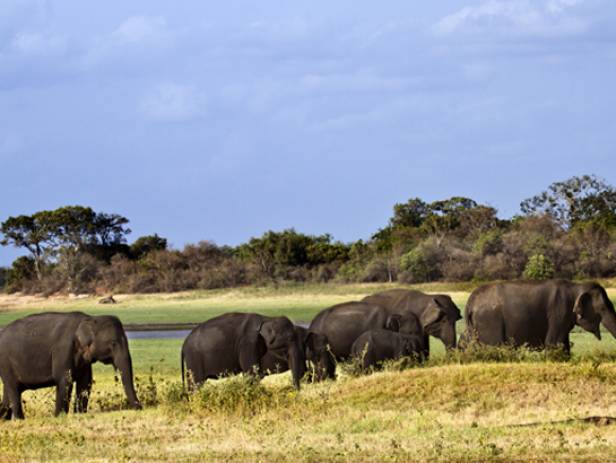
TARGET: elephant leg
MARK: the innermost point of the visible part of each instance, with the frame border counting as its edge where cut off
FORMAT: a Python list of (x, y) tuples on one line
[(5, 406), (426, 346), (83, 388), (555, 339), (64, 388), (249, 354), (13, 393)]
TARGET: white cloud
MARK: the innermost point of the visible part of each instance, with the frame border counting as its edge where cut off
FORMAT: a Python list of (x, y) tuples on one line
[(364, 80), (136, 40), (173, 102), (517, 17), (35, 43), (139, 29)]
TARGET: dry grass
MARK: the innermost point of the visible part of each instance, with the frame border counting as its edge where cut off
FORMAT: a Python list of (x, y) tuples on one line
[(447, 413), (298, 302)]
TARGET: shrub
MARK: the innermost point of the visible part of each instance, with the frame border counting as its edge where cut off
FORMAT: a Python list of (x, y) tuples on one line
[(489, 243), (20, 275), (538, 267), (243, 395), (3, 275)]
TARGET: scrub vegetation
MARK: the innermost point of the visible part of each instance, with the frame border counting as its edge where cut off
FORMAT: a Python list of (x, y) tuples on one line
[(567, 231)]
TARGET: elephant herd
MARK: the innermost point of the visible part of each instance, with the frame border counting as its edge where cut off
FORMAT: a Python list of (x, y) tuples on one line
[(58, 349)]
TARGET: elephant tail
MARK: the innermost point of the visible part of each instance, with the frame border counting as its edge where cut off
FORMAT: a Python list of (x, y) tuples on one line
[(182, 363)]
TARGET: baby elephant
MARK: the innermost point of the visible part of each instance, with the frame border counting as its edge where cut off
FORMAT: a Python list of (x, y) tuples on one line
[(375, 346)]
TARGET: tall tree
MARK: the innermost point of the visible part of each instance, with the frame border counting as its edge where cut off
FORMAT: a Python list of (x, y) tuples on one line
[(34, 233), (577, 199)]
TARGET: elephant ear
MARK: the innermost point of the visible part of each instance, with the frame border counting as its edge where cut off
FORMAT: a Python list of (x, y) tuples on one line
[(267, 333), (431, 314), (585, 315), (393, 322), (84, 341)]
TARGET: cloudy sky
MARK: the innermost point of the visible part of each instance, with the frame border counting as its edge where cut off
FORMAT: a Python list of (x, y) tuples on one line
[(220, 122)]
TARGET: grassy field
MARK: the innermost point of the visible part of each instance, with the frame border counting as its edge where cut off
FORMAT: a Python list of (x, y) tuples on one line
[(531, 410), (452, 409), (300, 303)]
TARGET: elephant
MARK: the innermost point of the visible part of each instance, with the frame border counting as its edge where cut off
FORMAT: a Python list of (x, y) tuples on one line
[(236, 342), (537, 314), (343, 323), (316, 349), (58, 349), (437, 313), (374, 346)]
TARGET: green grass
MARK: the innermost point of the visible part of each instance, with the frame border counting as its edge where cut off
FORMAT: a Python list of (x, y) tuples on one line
[(523, 411)]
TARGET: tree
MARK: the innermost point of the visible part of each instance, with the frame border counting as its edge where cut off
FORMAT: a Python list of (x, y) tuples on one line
[(3, 274), (146, 244), (538, 267), (34, 233), (577, 199), (410, 214), (22, 270)]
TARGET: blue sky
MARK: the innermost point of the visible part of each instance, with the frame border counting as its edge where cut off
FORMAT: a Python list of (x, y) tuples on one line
[(202, 121)]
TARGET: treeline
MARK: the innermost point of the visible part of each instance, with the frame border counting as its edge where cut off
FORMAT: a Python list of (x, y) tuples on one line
[(567, 231)]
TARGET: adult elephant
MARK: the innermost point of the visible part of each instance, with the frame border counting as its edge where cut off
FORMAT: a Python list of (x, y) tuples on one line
[(236, 342), (343, 323), (437, 313), (58, 349), (316, 348), (538, 314)]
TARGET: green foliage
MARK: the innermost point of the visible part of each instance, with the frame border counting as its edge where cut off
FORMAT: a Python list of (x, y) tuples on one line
[(20, 273), (538, 267), (146, 244), (420, 264), (577, 199), (275, 253), (3, 276), (415, 263), (489, 243), (410, 214), (243, 395)]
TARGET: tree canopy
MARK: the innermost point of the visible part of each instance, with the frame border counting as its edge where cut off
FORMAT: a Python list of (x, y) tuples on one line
[(575, 200)]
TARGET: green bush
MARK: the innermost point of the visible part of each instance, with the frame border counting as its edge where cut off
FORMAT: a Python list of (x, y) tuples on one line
[(489, 243), (538, 267), (415, 266)]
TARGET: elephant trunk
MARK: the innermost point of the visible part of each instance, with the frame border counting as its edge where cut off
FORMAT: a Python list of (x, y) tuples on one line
[(297, 363), (609, 321), (448, 335), (327, 367), (123, 362)]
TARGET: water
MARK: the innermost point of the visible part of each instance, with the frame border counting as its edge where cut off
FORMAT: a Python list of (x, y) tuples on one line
[(167, 334)]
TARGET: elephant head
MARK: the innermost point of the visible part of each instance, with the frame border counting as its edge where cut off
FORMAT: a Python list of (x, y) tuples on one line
[(439, 319), (406, 324), (103, 339), (413, 347), (318, 352), (279, 335), (593, 307)]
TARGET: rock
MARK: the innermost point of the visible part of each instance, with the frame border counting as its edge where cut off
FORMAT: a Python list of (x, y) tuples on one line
[(107, 300)]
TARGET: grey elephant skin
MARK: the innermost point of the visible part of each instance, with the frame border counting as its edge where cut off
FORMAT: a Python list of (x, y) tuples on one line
[(235, 342), (58, 349), (537, 314), (343, 323), (437, 313), (373, 347), (316, 349)]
